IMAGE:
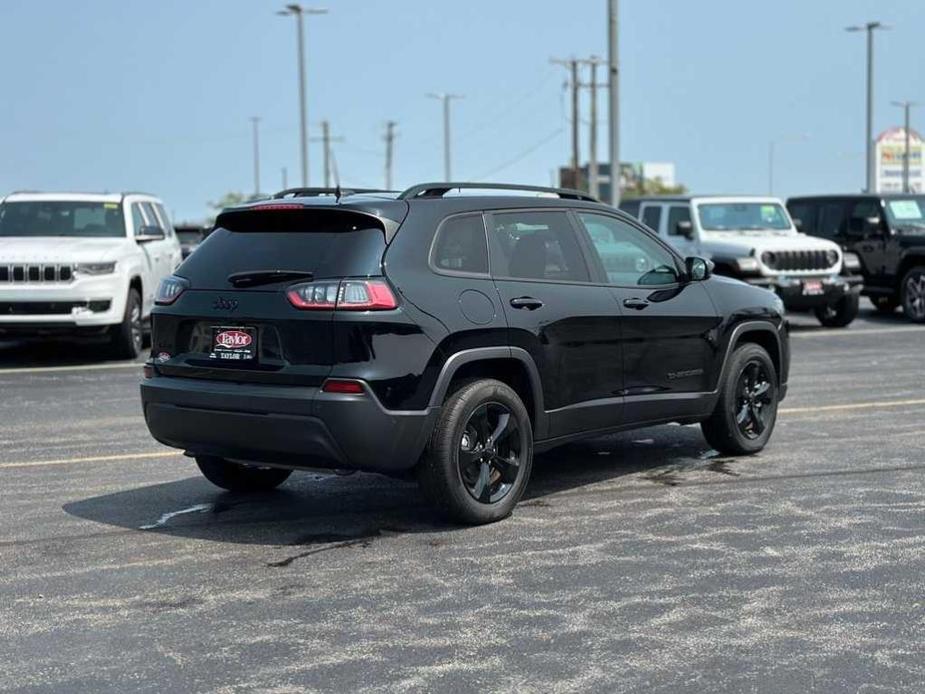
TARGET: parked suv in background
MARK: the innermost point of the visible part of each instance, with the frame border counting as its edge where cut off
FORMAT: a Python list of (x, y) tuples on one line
[(754, 239), (448, 336), (887, 233), (82, 265)]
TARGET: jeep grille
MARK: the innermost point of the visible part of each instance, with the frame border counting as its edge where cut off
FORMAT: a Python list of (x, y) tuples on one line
[(799, 260), (36, 273)]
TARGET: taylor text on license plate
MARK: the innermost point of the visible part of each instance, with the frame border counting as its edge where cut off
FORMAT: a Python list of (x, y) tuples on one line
[(812, 288), (234, 343)]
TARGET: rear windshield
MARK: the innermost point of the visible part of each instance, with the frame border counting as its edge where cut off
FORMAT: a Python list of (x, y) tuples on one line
[(339, 244), (62, 218)]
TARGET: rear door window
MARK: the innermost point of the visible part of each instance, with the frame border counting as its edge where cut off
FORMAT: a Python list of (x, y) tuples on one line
[(831, 220), (677, 213), (327, 243), (652, 217), (461, 246), (536, 246), (806, 213)]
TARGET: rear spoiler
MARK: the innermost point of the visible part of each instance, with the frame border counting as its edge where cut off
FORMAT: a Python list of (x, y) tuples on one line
[(295, 217)]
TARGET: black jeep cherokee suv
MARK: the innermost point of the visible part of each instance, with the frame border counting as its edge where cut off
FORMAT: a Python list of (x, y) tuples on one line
[(448, 336), (883, 235)]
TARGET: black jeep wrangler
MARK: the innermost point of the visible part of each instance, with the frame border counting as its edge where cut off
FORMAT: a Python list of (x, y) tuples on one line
[(449, 336), (885, 232)]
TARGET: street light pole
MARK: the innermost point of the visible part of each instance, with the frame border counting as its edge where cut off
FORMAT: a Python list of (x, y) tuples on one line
[(906, 106), (298, 11), (613, 58), (870, 28), (446, 99)]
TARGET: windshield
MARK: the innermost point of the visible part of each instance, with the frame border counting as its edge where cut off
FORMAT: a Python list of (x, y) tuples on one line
[(62, 218), (738, 216), (906, 211)]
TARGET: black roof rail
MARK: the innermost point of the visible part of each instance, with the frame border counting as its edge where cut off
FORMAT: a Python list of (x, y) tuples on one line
[(438, 190), (321, 192)]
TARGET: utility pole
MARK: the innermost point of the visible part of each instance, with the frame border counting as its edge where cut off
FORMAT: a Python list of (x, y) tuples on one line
[(571, 64), (254, 121), (326, 141), (299, 12), (285, 179), (613, 59), (870, 28), (389, 143), (446, 99), (593, 184), (906, 106)]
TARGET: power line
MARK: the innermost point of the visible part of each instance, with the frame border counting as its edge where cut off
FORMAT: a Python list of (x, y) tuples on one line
[(523, 155)]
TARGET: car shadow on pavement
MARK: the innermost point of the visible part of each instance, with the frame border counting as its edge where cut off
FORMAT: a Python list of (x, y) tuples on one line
[(316, 509)]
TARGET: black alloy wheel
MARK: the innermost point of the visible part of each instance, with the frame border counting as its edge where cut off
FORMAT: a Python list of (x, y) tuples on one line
[(753, 405), (489, 455)]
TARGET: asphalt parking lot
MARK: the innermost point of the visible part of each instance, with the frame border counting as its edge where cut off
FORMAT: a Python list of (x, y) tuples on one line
[(641, 561)]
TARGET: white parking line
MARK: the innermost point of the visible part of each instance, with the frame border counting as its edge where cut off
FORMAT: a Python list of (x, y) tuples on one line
[(851, 406), (86, 367), (798, 334)]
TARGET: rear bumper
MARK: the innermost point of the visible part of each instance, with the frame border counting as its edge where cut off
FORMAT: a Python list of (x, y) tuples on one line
[(790, 290), (293, 426)]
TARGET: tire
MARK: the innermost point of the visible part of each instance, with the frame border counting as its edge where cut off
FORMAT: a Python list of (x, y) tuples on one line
[(473, 474), (912, 293), (841, 313), (885, 304), (127, 338), (750, 366), (240, 478)]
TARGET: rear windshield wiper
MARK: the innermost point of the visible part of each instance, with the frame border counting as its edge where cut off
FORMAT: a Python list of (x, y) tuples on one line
[(254, 278)]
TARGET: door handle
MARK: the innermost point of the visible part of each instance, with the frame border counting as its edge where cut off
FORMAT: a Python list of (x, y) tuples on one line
[(527, 302), (635, 303)]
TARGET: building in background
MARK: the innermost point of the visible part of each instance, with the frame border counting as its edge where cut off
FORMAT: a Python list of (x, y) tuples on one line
[(891, 148), (636, 178)]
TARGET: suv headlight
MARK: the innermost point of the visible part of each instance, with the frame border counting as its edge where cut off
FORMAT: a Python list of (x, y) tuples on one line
[(748, 265), (96, 268), (852, 262)]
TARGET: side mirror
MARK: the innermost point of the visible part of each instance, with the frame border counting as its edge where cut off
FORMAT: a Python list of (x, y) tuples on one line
[(698, 269), (684, 228), (149, 233), (872, 225), (798, 224)]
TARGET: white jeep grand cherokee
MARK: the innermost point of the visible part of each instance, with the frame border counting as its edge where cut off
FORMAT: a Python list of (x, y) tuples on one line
[(753, 239), (81, 265)]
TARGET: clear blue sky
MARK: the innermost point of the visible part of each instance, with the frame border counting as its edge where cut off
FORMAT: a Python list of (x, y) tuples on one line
[(115, 95)]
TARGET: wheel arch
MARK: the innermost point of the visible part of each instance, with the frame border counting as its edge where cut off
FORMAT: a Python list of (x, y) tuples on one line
[(510, 365), (907, 262), (762, 334)]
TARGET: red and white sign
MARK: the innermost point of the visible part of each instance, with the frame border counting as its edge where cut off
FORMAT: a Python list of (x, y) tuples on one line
[(233, 339)]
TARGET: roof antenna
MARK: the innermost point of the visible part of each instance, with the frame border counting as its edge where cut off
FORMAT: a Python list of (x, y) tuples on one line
[(337, 191)]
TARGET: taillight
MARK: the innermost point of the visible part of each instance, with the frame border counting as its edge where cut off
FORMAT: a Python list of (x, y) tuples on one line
[(336, 385), (170, 289), (346, 295)]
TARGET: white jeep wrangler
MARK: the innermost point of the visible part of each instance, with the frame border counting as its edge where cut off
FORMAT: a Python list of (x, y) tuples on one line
[(753, 239), (78, 265)]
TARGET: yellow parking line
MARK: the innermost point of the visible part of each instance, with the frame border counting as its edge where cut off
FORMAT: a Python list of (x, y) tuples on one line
[(851, 406), (55, 369), (93, 459)]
